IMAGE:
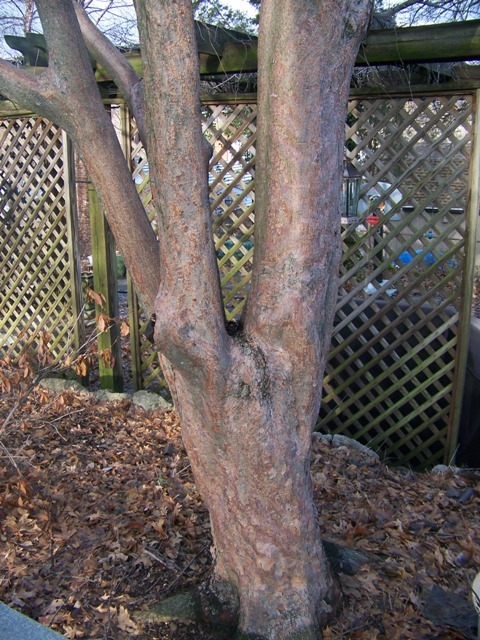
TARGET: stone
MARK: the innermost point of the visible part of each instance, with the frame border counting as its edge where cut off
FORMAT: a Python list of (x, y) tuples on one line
[(150, 401), (58, 385), (111, 396), (16, 626), (343, 441)]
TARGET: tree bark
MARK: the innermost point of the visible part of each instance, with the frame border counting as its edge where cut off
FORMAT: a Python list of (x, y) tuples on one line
[(248, 403), (252, 468)]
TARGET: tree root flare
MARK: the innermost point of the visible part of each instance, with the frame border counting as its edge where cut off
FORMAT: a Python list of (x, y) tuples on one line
[(202, 606)]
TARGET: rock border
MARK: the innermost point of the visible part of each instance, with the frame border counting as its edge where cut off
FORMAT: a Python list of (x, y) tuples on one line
[(144, 399)]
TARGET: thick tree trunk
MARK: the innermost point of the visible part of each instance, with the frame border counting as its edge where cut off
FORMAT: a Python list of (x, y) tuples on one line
[(252, 468), (248, 403)]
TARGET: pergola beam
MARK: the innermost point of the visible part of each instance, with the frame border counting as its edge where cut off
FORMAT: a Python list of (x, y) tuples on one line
[(450, 42), (226, 51)]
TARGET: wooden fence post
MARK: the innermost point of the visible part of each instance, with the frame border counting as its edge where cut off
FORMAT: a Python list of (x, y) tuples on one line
[(105, 283), (472, 213), (73, 251), (133, 309)]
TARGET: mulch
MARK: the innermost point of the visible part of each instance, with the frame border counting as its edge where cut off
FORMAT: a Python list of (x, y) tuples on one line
[(100, 518)]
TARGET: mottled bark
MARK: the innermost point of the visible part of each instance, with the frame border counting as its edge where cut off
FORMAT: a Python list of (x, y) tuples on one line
[(248, 403), (252, 468)]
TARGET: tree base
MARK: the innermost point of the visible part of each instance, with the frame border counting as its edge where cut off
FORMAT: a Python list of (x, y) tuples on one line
[(199, 605), (202, 606)]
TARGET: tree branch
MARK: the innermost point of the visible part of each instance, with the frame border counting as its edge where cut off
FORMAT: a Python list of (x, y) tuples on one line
[(431, 8), (393, 11), (67, 94), (28, 90), (298, 177), (116, 64), (190, 318)]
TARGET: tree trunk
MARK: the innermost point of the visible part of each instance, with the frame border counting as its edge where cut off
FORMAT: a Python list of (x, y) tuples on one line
[(248, 403), (252, 468)]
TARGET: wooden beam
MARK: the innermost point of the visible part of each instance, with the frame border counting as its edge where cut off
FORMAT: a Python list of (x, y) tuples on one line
[(105, 284), (473, 205), (225, 51), (72, 237), (449, 42)]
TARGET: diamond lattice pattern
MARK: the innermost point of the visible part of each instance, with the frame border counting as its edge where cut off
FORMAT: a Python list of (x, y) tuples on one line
[(390, 372), (35, 279)]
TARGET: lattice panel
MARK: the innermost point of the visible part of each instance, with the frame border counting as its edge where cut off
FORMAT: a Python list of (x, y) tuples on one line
[(36, 290), (232, 134), (149, 374), (391, 369)]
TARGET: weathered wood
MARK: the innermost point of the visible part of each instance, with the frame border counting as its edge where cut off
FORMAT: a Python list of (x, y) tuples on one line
[(391, 137), (126, 139), (73, 254), (105, 284), (393, 375), (378, 333), (36, 240), (450, 42), (224, 51), (473, 206)]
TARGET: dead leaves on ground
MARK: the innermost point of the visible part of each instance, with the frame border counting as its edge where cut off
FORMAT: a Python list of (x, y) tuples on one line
[(425, 532), (105, 518)]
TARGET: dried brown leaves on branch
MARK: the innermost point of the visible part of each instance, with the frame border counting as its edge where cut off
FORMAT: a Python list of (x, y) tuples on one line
[(100, 517)]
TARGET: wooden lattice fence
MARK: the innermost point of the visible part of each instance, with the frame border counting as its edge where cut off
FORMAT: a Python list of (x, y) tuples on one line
[(40, 290), (231, 131), (394, 372)]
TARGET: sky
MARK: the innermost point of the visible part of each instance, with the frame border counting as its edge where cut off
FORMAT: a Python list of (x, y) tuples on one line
[(242, 5)]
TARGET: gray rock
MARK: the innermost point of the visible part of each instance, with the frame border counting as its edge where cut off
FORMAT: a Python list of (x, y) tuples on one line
[(58, 385), (145, 399), (16, 626), (343, 441), (150, 401), (111, 396), (441, 468)]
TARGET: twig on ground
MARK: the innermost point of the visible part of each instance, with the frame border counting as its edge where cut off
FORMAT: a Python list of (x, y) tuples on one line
[(11, 458), (185, 568)]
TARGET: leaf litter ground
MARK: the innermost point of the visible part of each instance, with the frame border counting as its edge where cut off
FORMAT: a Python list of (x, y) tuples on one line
[(100, 518)]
